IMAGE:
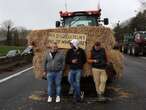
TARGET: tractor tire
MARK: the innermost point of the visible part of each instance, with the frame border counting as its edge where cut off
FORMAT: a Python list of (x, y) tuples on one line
[(134, 51), (129, 51), (123, 49), (144, 53)]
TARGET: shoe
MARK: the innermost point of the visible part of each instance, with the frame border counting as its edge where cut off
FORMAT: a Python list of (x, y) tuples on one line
[(101, 98), (78, 99), (70, 91), (57, 99), (82, 95), (49, 99)]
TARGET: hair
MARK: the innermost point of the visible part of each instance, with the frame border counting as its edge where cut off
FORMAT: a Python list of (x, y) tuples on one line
[(54, 44), (97, 44)]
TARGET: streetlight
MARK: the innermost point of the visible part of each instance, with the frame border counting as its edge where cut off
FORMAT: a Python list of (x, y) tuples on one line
[(118, 24)]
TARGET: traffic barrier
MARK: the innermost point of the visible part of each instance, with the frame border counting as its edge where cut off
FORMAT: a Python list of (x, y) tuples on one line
[(8, 62)]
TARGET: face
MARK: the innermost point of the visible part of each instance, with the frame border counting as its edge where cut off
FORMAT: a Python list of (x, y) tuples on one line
[(71, 45), (54, 47), (97, 47)]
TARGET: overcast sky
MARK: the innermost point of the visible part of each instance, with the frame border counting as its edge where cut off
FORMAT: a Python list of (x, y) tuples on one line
[(37, 14)]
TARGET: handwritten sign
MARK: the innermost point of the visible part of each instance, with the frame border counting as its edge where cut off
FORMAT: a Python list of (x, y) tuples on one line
[(63, 39)]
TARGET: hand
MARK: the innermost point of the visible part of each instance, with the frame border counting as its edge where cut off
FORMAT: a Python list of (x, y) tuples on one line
[(44, 77), (95, 61), (74, 61), (44, 73)]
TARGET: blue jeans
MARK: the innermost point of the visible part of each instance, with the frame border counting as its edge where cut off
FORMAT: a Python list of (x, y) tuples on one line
[(54, 77), (74, 80)]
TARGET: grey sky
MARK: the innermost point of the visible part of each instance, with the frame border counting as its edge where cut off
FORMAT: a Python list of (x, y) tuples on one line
[(37, 14)]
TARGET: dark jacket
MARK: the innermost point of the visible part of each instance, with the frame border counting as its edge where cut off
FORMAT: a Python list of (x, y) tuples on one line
[(76, 54), (100, 56)]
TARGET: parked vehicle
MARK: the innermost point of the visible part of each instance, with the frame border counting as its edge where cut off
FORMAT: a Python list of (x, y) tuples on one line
[(13, 53), (27, 51), (135, 44)]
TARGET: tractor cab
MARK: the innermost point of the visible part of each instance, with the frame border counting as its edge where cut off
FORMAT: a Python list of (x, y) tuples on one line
[(80, 18)]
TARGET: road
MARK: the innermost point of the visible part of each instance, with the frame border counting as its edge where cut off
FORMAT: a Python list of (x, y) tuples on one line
[(24, 92)]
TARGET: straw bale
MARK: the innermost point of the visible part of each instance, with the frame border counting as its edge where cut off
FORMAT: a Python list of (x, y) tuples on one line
[(38, 39), (116, 57)]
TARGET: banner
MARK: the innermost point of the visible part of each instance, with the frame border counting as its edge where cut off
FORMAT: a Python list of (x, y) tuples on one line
[(63, 39)]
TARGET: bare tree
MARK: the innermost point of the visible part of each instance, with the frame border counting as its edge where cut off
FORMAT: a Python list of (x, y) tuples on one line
[(23, 32), (7, 27), (14, 35)]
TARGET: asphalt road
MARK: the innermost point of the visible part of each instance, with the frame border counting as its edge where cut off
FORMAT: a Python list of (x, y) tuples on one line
[(24, 92)]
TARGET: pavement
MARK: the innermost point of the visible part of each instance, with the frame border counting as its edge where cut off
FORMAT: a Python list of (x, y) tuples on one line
[(24, 92)]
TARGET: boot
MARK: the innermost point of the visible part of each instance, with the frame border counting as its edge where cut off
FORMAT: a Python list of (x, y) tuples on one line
[(101, 98)]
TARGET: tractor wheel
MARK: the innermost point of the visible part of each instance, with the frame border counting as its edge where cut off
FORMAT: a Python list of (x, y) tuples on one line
[(144, 53), (123, 49), (134, 51), (129, 51)]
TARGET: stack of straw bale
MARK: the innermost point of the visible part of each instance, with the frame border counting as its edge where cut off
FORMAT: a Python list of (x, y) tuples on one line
[(38, 39)]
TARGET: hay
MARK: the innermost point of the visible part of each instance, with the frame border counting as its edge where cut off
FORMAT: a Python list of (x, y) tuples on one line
[(38, 39), (37, 63), (116, 57)]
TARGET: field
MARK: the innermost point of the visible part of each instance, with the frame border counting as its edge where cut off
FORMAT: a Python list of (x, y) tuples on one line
[(5, 49)]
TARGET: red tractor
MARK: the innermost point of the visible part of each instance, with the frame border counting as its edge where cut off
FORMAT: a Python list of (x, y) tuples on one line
[(81, 18), (135, 44)]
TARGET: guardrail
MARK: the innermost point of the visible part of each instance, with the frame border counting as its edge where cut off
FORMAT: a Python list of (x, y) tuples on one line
[(2, 57), (8, 62)]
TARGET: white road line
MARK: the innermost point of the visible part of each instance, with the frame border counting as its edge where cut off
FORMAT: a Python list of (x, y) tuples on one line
[(14, 75), (143, 58)]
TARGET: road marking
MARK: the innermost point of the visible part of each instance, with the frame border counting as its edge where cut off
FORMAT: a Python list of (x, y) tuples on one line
[(14, 75), (143, 58)]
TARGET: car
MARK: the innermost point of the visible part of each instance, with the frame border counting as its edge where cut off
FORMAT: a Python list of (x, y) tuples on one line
[(13, 53), (27, 51)]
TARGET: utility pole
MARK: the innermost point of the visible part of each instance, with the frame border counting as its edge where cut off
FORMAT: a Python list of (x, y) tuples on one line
[(65, 5), (8, 35), (118, 24)]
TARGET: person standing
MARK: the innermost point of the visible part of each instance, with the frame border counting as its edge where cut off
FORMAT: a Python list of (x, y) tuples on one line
[(98, 59), (53, 65), (75, 58)]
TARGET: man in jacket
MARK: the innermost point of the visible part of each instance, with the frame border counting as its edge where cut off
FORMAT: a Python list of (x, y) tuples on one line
[(97, 58), (53, 65), (75, 58)]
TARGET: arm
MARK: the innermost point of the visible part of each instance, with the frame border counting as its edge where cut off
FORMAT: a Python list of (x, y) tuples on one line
[(106, 57), (63, 61), (67, 58), (84, 58), (90, 60), (44, 63)]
